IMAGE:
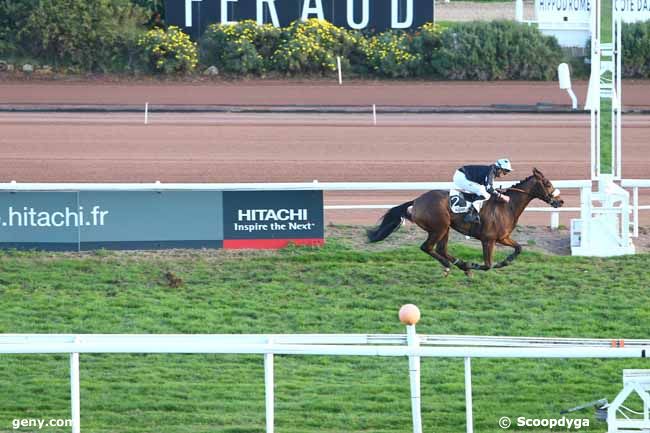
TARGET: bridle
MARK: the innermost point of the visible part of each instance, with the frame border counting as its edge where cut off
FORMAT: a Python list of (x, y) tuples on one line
[(548, 197)]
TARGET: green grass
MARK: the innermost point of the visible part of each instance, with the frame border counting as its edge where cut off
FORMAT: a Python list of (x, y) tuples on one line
[(606, 138), (336, 289)]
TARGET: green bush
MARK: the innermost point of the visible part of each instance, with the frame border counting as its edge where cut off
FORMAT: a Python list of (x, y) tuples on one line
[(168, 51), (311, 47), (391, 54), (242, 48), (93, 36), (497, 50), (151, 5), (427, 40), (636, 50), (13, 16)]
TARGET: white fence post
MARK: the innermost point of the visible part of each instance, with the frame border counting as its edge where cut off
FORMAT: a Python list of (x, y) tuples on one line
[(519, 10), (338, 66), (555, 220), (269, 386), (469, 416), (414, 375), (75, 396), (635, 207)]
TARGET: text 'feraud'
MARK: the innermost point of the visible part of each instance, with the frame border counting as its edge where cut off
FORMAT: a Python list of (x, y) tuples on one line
[(366, 15)]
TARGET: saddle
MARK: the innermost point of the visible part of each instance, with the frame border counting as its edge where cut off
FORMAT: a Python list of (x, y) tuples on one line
[(460, 202)]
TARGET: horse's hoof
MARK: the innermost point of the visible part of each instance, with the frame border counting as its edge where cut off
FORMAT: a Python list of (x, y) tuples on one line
[(469, 273), (445, 273)]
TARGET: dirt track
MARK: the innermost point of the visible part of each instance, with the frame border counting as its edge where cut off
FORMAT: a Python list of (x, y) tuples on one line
[(214, 147), (300, 148), (321, 92)]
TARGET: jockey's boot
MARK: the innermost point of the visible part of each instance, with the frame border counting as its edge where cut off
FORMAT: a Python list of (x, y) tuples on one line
[(472, 216)]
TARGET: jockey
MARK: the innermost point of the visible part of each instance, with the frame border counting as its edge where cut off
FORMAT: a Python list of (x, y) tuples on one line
[(478, 179)]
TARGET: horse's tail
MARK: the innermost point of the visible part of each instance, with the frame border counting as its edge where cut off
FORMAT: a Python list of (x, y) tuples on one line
[(389, 222)]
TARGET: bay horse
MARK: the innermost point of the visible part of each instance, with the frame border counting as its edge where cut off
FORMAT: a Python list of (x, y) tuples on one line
[(432, 214)]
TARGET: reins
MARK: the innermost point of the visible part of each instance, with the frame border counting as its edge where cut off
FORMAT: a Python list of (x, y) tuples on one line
[(519, 190), (525, 192)]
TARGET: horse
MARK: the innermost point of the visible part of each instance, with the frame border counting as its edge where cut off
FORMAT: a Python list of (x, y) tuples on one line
[(431, 213)]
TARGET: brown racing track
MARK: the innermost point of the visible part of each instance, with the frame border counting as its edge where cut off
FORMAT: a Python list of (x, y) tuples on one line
[(321, 92), (285, 147)]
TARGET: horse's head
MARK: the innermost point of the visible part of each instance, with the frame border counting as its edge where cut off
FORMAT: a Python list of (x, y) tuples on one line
[(544, 190)]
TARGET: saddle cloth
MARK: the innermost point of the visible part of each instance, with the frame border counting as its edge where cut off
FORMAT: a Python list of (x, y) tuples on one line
[(460, 202)]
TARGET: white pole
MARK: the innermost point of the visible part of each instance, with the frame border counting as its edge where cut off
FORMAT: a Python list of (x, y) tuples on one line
[(555, 220), (146, 113), (338, 66), (75, 397), (269, 388), (619, 48), (374, 114), (574, 99), (468, 395), (635, 207), (414, 375), (519, 10)]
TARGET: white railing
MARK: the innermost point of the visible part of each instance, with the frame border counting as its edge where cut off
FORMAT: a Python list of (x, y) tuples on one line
[(409, 345), (289, 186), (635, 184)]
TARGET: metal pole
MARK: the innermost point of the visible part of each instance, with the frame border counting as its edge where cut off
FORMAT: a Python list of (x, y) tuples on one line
[(269, 391), (374, 114), (146, 113), (75, 397), (619, 55), (468, 395), (414, 375)]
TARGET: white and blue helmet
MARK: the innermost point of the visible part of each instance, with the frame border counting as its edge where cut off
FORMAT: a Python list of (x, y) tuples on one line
[(503, 164)]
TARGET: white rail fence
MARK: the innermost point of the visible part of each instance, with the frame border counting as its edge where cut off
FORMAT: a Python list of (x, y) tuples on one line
[(409, 345), (633, 184)]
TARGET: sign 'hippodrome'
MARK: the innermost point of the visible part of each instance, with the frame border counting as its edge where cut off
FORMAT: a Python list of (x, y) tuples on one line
[(579, 11)]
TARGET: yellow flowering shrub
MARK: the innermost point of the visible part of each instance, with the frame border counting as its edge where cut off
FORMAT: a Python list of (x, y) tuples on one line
[(391, 54), (312, 47), (242, 48), (170, 51)]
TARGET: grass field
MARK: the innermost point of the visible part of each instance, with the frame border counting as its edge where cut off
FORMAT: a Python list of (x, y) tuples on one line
[(337, 289)]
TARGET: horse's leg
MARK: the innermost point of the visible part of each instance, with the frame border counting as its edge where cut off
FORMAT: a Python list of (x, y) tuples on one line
[(428, 247), (509, 242), (441, 248), (488, 252)]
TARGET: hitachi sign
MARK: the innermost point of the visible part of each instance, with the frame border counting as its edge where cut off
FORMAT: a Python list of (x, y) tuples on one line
[(272, 214)]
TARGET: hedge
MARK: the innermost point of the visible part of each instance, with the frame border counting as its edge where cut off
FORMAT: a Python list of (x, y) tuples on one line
[(116, 36), (498, 50), (636, 50)]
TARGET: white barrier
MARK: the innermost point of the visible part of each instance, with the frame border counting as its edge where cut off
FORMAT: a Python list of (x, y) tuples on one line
[(409, 345), (634, 184)]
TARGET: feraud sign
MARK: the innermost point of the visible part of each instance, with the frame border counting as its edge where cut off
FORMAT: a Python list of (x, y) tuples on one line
[(371, 15)]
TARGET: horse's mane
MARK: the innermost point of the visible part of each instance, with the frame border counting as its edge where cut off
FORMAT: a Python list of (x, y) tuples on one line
[(521, 183)]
